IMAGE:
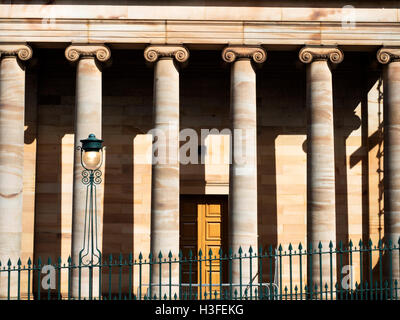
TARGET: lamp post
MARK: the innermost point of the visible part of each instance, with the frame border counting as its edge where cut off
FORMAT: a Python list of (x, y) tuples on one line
[(91, 161)]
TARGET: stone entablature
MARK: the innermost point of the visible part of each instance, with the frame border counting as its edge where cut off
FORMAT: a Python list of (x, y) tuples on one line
[(215, 25), (195, 12)]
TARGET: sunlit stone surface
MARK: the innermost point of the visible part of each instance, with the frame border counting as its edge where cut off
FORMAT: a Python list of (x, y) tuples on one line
[(165, 174), (88, 119), (243, 232), (12, 107), (390, 57), (321, 215)]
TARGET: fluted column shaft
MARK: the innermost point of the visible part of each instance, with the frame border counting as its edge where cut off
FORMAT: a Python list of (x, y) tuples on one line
[(88, 119), (321, 212), (165, 173), (243, 233), (391, 80), (12, 111)]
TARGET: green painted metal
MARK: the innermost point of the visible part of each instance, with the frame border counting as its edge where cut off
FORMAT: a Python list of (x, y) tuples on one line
[(91, 143), (283, 278)]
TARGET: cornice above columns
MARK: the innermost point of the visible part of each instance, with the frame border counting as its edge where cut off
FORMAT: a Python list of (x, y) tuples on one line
[(153, 53), (387, 55), (232, 53), (310, 54), (75, 52), (20, 50)]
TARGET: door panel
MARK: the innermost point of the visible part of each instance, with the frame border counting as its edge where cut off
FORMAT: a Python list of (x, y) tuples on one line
[(188, 238), (210, 238)]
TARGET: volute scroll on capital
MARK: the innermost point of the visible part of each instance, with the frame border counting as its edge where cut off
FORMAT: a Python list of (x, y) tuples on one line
[(153, 53), (231, 53), (386, 55), (74, 52), (310, 54), (23, 51)]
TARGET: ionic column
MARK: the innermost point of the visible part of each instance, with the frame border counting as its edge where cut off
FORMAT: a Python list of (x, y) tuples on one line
[(165, 174), (242, 219), (88, 119), (12, 111), (321, 217), (390, 57)]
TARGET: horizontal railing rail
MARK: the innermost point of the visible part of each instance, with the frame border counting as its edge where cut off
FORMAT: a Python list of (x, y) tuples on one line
[(363, 272)]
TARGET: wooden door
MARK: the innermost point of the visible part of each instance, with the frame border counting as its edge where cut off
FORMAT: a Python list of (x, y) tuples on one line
[(203, 226)]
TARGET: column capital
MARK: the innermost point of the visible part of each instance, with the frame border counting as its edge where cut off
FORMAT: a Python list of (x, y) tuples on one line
[(309, 54), (387, 55), (76, 51), (154, 52), (231, 53), (20, 50)]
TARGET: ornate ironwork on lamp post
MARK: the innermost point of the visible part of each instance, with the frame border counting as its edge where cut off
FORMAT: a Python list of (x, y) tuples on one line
[(91, 161)]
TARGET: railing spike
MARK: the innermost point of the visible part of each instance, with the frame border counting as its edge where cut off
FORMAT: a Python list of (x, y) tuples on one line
[(370, 242)]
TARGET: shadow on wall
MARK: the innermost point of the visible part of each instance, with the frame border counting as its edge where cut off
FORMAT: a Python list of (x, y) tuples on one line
[(127, 112), (278, 115), (372, 143), (54, 124)]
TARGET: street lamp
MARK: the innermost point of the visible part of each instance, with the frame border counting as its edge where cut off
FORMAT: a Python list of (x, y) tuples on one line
[(91, 161)]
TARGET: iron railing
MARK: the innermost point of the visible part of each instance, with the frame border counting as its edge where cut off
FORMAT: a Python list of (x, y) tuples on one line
[(355, 273)]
